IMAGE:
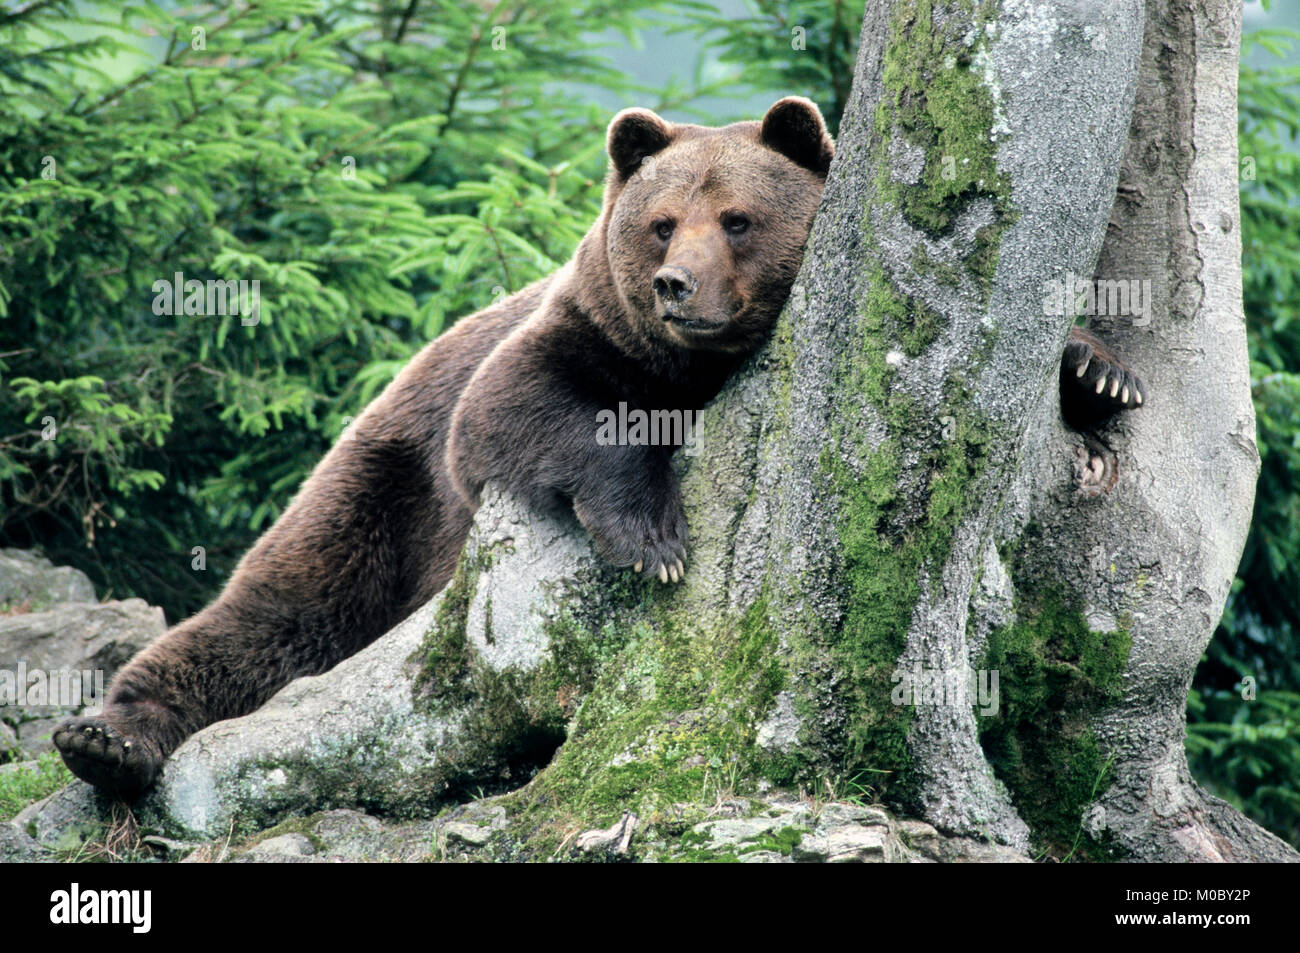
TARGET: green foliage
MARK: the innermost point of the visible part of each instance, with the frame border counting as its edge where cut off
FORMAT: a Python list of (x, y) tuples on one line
[(1268, 597), (1248, 753), (378, 172), (25, 784), (803, 47)]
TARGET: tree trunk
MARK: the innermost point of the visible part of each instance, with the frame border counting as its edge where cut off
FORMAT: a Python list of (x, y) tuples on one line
[(1153, 559), (884, 502)]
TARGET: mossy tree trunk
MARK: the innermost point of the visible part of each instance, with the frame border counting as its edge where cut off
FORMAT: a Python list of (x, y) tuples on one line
[(1149, 562)]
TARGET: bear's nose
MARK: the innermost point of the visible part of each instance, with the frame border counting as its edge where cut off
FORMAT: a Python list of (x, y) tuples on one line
[(674, 284)]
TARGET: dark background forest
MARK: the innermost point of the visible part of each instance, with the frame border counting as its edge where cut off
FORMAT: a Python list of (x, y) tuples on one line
[(381, 169)]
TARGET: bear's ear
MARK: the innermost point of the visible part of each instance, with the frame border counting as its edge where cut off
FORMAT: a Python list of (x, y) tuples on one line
[(794, 127), (633, 135)]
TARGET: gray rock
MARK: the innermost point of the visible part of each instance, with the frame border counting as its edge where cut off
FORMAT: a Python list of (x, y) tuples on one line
[(839, 813), (35, 736), (731, 832), (66, 819), (8, 741), (351, 836), (780, 731), (410, 842), (850, 844), (614, 839), (837, 832), (13, 767), (286, 848), (338, 828), (59, 660), (460, 834), (167, 848), (920, 839), (797, 813), (17, 846), (27, 578), (965, 850), (763, 857)]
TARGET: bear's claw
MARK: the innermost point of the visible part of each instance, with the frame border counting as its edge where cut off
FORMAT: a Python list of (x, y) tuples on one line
[(652, 543), (664, 561), (1095, 383), (662, 556)]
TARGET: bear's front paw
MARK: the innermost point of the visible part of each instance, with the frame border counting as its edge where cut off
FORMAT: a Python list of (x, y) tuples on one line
[(660, 547), (651, 545), (1095, 383)]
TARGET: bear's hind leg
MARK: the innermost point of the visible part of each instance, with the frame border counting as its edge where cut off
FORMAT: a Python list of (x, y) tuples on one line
[(366, 541), (144, 720), (154, 704), (225, 662)]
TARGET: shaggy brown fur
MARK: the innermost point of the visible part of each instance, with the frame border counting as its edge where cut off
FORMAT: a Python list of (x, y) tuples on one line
[(683, 274)]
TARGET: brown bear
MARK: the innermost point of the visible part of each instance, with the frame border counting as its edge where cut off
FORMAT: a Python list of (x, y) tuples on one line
[(682, 276)]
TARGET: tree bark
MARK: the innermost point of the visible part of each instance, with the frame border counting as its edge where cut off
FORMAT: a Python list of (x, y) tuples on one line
[(884, 501)]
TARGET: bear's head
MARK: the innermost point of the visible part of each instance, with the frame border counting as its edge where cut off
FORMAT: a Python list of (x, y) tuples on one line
[(705, 228)]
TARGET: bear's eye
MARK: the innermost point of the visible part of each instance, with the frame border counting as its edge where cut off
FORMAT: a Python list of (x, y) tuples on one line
[(735, 224), (664, 229)]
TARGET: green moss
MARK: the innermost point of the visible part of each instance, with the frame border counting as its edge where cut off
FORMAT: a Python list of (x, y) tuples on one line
[(444, 654), (703, 856), (753, 671), (983, 261), (896, 317), (944, 272), (886, 543), (889, 537), (922, 330), (294, 825), (352, 774), (508, 719), (783, 841), (1055, 675), (511, 721), (783, 769), (892, 532), (668, 725), (936, 100)]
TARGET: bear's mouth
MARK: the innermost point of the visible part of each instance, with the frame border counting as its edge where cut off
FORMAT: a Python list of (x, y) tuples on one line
[(693, 324)]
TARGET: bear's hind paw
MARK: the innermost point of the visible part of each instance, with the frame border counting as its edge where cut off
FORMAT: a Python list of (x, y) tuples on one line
[(99, 754)]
